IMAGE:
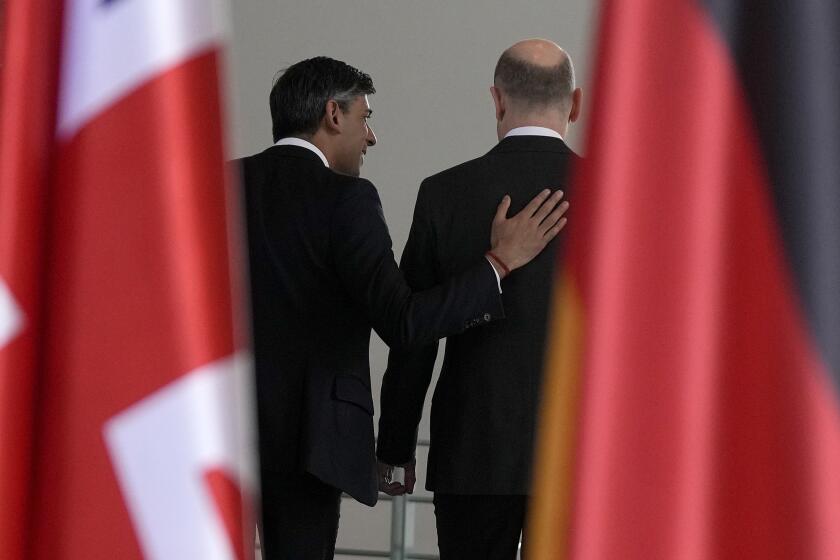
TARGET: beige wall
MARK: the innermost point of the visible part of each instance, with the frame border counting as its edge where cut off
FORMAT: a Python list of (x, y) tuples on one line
[(432, 63)]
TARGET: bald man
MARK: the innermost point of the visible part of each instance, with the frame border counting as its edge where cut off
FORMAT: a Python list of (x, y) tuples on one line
[(484, 408)]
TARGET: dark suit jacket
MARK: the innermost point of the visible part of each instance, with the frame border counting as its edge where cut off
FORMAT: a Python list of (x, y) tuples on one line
[(322, 274), (484, 405)]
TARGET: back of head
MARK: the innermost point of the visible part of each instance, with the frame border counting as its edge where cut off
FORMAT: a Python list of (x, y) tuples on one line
[(299, 95), (536, 76)]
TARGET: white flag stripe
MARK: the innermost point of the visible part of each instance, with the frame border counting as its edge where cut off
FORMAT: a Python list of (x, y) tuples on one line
[(162, 446), (11, 315), (112, 48)]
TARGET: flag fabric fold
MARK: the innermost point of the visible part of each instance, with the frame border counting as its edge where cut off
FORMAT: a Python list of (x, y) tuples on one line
[(28, 95)]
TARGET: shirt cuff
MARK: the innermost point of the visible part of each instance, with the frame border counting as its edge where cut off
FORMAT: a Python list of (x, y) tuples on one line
[(496, 272)]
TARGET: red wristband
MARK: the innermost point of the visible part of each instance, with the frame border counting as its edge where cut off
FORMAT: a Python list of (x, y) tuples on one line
[(498, 260)]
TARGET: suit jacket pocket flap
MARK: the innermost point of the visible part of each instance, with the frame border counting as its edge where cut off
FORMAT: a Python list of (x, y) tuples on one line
[(352, 390)]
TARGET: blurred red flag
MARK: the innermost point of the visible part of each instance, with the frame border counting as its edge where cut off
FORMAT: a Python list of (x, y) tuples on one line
[(27, 127), (121, 350), (692, 407)]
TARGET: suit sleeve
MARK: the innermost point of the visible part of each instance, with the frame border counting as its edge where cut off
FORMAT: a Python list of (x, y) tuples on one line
[(364, 261), (409, 371)]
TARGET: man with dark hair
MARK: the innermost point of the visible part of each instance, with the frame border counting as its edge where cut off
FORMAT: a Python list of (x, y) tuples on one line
[(322, 274), (298, 96), (485, 402)]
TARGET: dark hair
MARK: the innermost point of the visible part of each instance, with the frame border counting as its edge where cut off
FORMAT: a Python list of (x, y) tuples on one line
[(535, 86), (299, 94)]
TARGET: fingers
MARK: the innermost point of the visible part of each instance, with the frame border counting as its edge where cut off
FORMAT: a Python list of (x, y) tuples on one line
[(392, 489), (501, 211), (395, 487), (554, 217), (535, 203), (552, 233), (410, 479), (548, 206)]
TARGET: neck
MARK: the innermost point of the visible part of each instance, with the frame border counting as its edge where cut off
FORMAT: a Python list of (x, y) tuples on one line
[(554, 122), (322, 141)]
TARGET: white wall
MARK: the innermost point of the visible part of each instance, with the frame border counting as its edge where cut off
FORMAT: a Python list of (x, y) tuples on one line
[(432, 64)]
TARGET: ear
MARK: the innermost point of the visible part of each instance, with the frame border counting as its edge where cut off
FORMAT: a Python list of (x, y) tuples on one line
[(498, 102), (332, 116), (575, 112)]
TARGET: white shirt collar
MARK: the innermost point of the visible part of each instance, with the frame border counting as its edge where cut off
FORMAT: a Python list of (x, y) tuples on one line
[(300, 142), (533, 131)]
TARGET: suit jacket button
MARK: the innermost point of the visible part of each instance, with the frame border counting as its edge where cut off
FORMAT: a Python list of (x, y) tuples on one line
[(487, 317)]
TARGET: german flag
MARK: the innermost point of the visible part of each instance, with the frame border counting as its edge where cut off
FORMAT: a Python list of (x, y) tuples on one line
[(692, 398)]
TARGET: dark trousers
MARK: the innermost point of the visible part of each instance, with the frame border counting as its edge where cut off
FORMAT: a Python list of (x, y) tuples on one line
[(299, 517), (479, 527)]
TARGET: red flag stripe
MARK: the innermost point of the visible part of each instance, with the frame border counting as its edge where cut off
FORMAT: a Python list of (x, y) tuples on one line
[(27, 116), (227, 495)]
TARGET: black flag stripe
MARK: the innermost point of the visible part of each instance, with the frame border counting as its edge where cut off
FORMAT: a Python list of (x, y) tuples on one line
[(788, 56)]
